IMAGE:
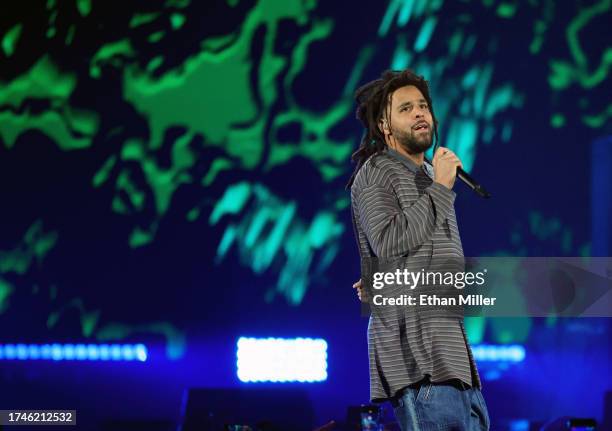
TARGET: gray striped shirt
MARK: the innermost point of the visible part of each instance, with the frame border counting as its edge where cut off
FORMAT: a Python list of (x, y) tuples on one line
[(399, 211)]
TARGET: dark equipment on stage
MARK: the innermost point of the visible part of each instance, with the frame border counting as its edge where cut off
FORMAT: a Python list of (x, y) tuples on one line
[(264, 409), (567, 423), (581, 424), (370, 418)]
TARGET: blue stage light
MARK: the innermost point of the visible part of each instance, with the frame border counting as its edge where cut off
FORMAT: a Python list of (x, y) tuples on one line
[(92, 352), (69, 352), (57, 353), (34, 351), (22, 351), (498, 353), (9, 352), (280, 360), (127, 353), (79, 352), (519, 425), (115, 352), (45, 351), (141, 352), (104, 352)]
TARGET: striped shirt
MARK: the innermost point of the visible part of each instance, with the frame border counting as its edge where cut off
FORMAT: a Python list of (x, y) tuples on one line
[(398, 211)]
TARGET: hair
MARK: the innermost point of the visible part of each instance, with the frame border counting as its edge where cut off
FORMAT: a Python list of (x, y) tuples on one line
[(373, 102)]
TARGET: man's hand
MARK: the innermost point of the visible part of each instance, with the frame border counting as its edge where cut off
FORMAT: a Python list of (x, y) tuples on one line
[(445, 164), (360, 293)]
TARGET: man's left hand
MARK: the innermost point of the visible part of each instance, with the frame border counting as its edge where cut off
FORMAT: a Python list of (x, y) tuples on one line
[(360, 293)]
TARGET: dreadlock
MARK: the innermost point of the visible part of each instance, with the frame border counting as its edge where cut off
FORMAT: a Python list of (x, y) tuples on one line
[(373, 102)]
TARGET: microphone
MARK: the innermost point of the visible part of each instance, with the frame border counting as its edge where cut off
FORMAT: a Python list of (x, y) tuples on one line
[(471, 182)]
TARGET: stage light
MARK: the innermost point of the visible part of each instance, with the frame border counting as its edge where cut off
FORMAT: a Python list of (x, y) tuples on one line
[(498, 353), (519, 425), (71, 352), (281, 360)]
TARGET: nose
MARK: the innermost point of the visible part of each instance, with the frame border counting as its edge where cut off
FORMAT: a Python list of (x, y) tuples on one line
[(419, 112)]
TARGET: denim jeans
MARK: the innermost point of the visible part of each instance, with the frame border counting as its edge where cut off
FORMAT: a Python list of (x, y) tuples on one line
[(447, 406)]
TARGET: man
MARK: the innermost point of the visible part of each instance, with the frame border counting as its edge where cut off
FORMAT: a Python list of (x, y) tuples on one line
[(402, 207)]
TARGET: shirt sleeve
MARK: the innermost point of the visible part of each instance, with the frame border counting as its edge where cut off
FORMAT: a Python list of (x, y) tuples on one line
[(393, 231)]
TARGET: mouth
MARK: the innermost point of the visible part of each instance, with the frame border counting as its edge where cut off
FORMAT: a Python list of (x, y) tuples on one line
[(421, 127)]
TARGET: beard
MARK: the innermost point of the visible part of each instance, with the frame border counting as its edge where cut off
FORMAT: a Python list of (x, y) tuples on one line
[(413, 144)]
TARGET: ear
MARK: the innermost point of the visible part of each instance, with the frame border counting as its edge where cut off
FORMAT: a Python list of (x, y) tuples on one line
[(383, 126)]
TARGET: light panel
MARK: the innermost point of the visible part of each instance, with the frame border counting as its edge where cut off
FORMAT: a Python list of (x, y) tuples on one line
[(282, 360), (74, 352), (498, 353)]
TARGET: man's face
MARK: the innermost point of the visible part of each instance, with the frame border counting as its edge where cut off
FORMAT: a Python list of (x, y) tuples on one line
[(411, 121)]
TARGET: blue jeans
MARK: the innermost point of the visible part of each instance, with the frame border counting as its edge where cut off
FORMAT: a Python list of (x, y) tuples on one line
[(447, 406)]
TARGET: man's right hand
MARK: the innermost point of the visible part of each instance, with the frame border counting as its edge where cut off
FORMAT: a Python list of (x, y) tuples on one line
[(445, 164)]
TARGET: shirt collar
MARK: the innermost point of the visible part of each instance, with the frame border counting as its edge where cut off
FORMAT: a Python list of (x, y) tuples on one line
[(409, 163)]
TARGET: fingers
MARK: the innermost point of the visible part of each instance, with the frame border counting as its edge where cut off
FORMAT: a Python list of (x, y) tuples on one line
[(360, 294), (447, 155), (451, 158), (444, 152), (440, 151)]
